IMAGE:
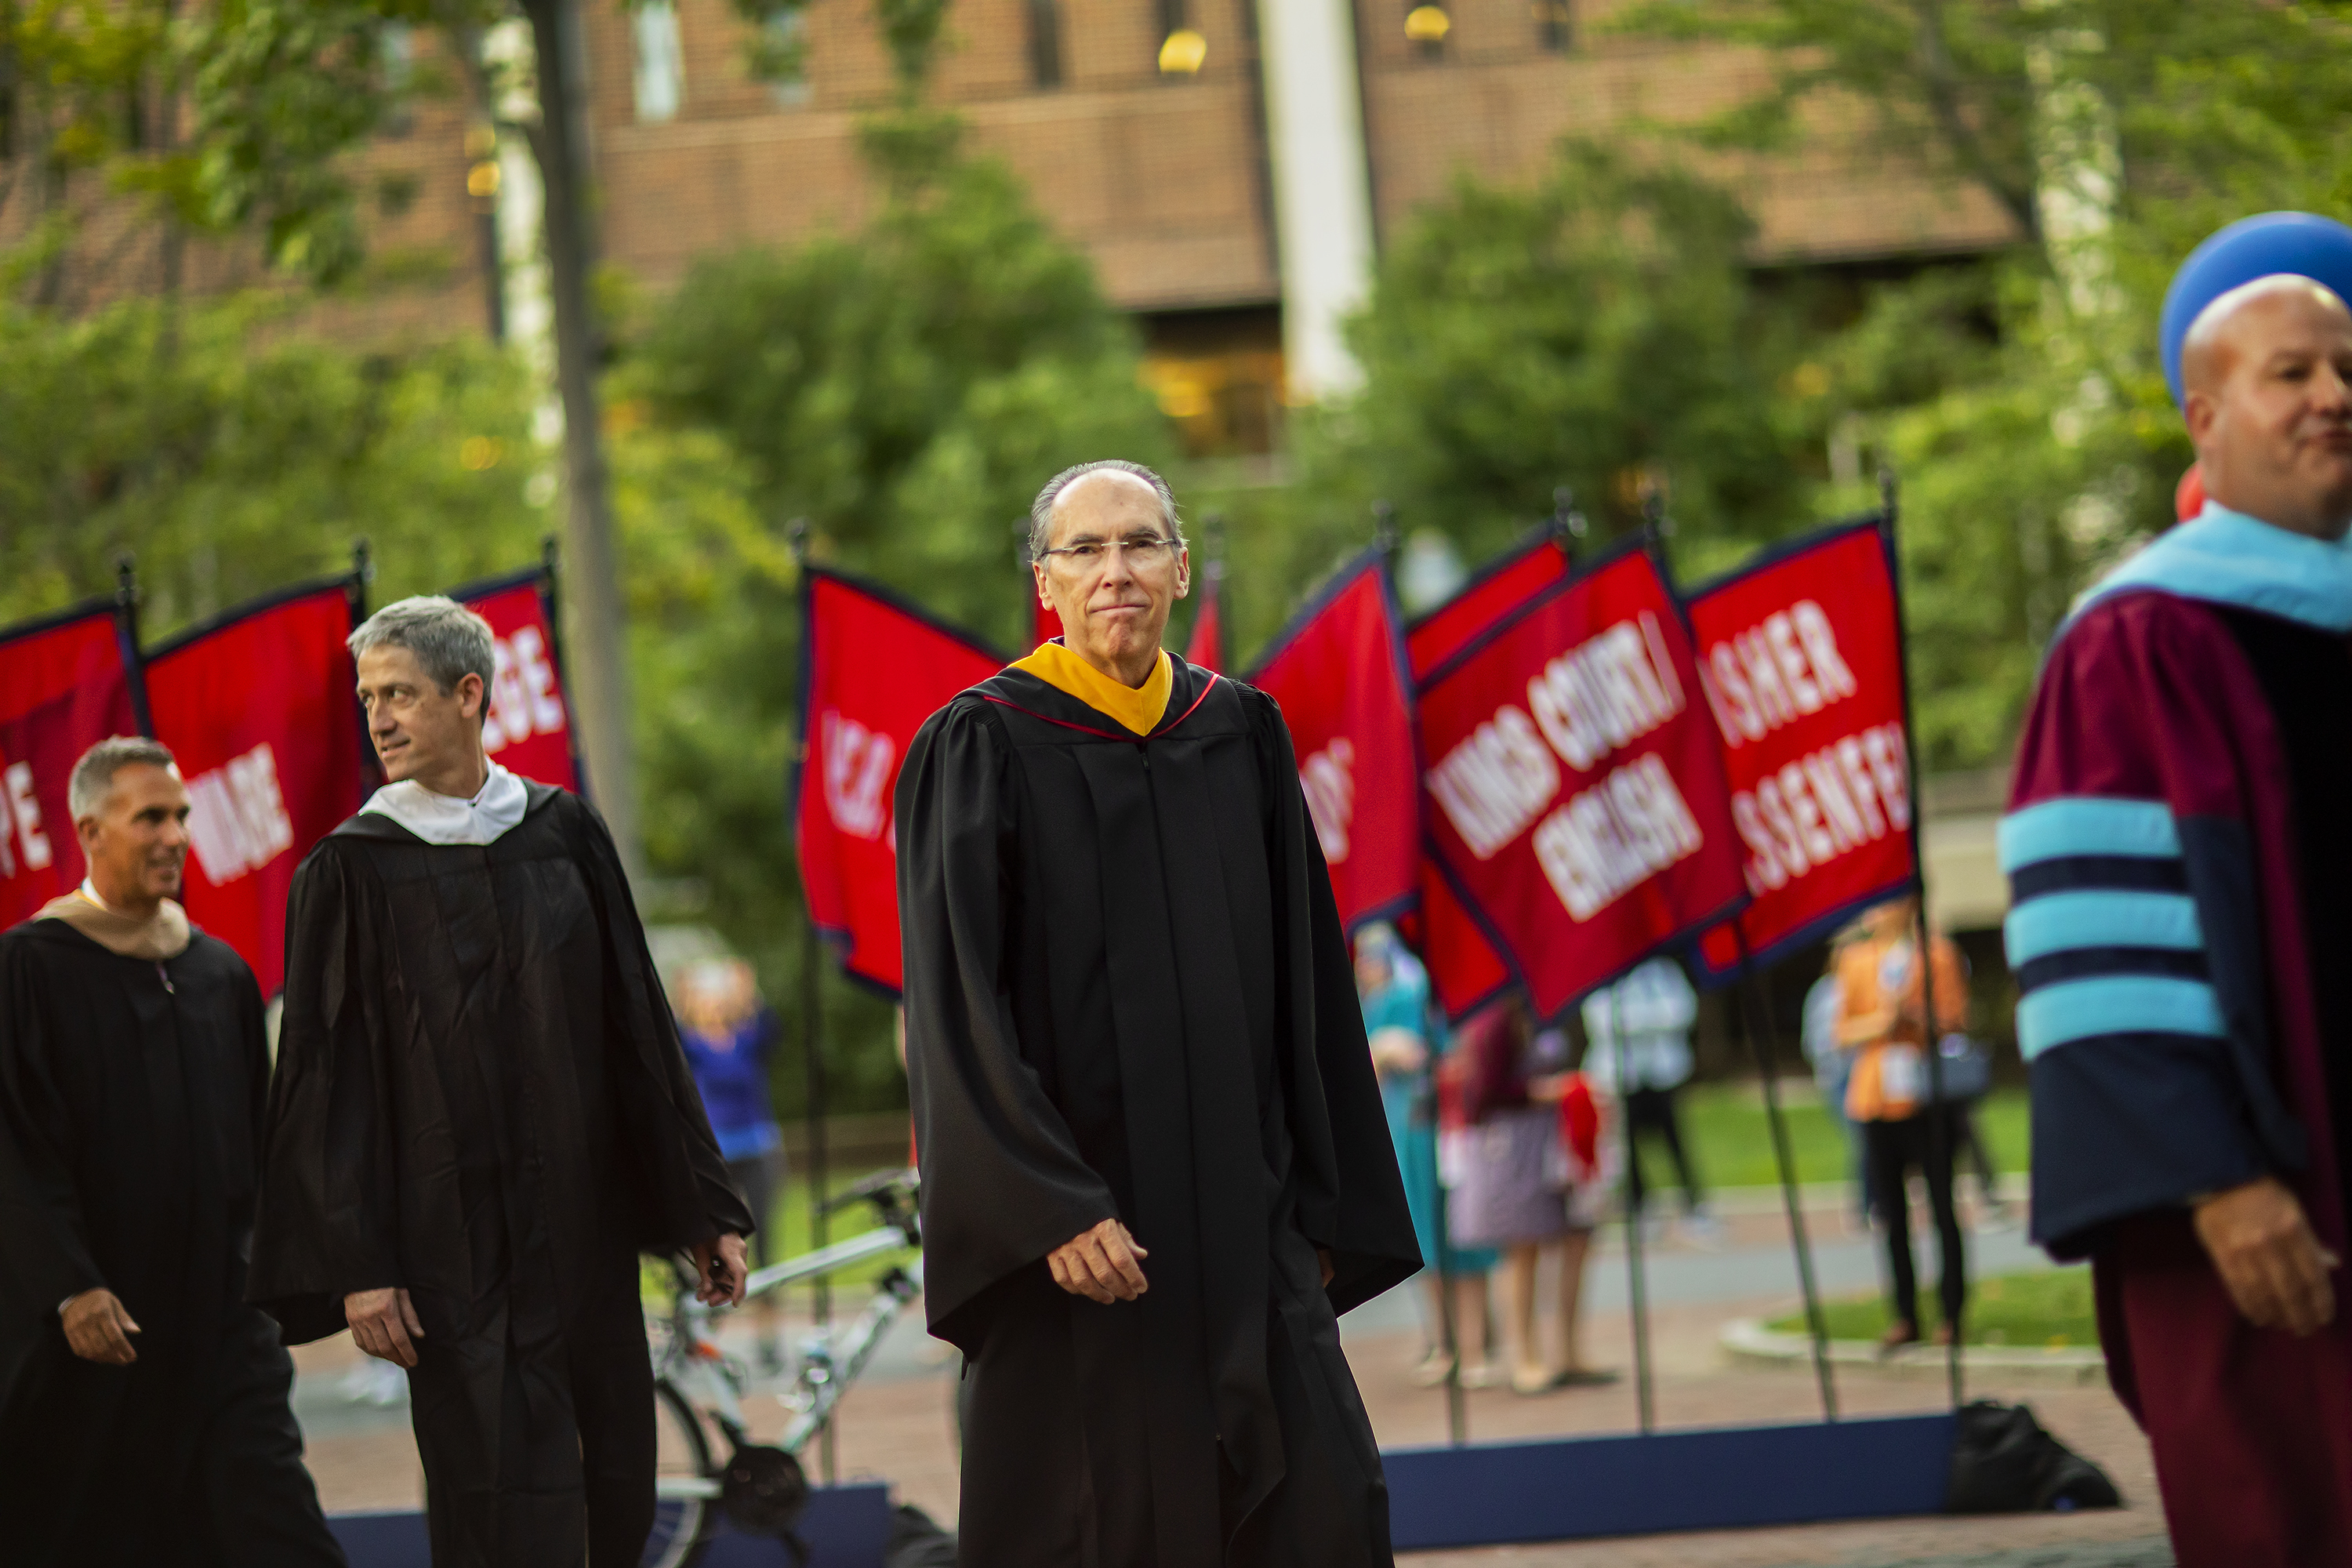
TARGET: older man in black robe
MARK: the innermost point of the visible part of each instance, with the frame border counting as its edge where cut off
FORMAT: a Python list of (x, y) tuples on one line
[(144, 1420), (1155, 1164), (481, 1116)]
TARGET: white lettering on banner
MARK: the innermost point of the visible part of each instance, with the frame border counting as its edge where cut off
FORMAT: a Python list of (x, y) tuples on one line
[(1328, 781), (1628, 827), (857, 773), (1785, 667), (237, 817), (1851, 792), (524, 699), (25, 807), (1496, 782), (1606, 692)]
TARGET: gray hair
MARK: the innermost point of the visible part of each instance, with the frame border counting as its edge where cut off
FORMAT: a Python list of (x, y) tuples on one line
[(1040, 511), (93, 776), (449, 641)]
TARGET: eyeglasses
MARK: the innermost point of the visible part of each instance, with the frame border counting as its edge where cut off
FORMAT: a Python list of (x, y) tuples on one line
[(1140, 550)]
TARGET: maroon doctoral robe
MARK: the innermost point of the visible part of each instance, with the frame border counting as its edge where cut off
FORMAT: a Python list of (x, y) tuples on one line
[(2180, 850)]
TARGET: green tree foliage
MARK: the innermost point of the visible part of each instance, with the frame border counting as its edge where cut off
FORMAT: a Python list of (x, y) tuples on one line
[(904, 389), (2021, 401), (1597, 330), (231, 463), (907, 388)]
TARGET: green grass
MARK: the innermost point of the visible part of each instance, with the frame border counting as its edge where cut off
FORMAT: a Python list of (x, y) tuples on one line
[(790, 1234), (2047, 1307), (1733, 1145)]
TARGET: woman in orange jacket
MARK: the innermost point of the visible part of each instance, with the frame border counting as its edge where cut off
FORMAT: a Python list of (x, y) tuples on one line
[(1883, 1020)]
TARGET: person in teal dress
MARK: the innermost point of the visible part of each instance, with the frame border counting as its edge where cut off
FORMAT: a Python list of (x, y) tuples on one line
[(1408, 1043)]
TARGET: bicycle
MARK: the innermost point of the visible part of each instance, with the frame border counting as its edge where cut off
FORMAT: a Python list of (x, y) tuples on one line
[(698, 1389)]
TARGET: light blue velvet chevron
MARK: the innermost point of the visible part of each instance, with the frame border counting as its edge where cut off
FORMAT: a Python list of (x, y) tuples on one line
[(2086, 824), (2086, 1009), (2072, 921), (2226, 557)]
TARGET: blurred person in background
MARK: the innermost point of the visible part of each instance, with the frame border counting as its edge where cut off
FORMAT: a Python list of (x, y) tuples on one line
[(143, 1415), (1881, 1018), (1407, 1043), (1648, 1016), (1595, 1153), (1833, 1067), (730, 1036), (1512, 1190)]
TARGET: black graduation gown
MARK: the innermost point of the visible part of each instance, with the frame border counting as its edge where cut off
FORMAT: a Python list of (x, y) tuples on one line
[(480, 1097), (131, 1095), (1128, 994)]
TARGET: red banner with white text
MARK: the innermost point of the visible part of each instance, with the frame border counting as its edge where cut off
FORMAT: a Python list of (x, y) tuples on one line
[(1801, 662), (529, 729), (259, 707), (873, 669), (65, 685), (1576, 791), (1465, 970), (1339, 674)]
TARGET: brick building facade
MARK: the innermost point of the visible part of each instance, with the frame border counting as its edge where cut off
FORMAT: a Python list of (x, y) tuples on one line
[(1166, 179)]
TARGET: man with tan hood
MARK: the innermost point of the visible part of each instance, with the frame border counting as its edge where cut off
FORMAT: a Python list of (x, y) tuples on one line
[(143, 1415)]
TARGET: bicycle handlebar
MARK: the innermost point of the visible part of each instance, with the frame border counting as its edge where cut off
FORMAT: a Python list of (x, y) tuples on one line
[(886, 1190)]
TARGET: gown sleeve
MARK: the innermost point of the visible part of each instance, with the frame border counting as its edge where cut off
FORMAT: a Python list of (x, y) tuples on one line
[(1351, 1195), (45, 1252), (1004, 1182), (2135, 930), (693, 1198), (325, 1224)]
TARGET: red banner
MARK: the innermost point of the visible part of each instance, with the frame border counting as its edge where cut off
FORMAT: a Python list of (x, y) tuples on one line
[(873, 669), (529, 729), (259, 710), (1206, 644), (1576, 789), (1802, 663), (1498, 589), (1339, 673), (65, 685), (1465, 970)]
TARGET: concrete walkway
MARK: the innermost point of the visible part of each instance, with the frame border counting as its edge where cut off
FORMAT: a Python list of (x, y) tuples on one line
[(898, 1422)]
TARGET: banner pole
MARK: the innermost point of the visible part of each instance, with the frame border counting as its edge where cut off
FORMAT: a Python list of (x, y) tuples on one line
[(550, 566), (1636, 1282), (1457, 1412), (1940, 1152), (813, 1016), (362, 573), (1568, 525), (551, 600), (1746, 990), (126, 632)]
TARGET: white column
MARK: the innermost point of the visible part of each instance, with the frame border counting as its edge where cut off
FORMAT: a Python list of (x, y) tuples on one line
[(1322, 186)]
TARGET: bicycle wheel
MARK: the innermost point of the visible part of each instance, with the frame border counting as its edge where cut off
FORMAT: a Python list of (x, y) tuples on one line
[(686, 1483)]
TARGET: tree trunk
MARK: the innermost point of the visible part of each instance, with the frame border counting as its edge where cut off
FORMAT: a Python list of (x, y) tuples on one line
[(598, 634)]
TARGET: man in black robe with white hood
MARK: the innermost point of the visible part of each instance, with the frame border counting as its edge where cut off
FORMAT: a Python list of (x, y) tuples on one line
[(1155, 1165), (480, 1117), (144, 1418)]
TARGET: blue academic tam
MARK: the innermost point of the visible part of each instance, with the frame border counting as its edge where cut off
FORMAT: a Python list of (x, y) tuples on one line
[(2303, 243)]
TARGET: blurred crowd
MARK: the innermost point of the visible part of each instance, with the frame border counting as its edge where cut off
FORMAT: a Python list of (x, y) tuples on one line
[(1517, 1142)]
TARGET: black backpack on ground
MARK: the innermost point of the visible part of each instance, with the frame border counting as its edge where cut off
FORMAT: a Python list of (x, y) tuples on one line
[(2003, 1462), (916, 1542)]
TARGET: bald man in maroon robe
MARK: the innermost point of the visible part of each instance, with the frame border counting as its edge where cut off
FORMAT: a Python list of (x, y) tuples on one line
[(2179, 853)]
